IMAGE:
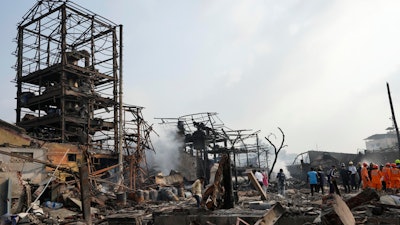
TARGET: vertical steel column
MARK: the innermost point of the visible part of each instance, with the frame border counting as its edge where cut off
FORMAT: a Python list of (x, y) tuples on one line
[(138, 148), (19, 73), (120, 104), (63, 72), (85, 191)]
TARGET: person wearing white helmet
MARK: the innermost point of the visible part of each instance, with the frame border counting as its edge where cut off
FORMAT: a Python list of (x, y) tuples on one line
[(353, 174)]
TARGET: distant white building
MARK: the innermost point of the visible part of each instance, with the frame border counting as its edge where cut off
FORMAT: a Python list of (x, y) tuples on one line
[(381, 141)]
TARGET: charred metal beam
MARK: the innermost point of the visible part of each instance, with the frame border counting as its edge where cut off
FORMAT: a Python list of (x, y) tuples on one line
[(94, 37), (97, 172), (23, 26)]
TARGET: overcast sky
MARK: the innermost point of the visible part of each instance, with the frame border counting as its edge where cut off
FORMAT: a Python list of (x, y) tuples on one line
[(316, 69)]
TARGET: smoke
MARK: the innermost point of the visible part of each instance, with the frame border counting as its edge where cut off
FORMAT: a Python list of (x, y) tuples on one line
[(284, 159), (167, 148), (280, 165)]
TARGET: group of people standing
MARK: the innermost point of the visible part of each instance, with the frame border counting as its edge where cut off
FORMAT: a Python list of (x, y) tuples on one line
[(371, 176), (381, 177), (348, 176), (262, 178), (352, 178), (355, 177), (316, 180)]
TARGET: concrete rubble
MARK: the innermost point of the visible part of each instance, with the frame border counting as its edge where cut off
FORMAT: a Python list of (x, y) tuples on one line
[(167, 200), (77, 153), (169, 205)]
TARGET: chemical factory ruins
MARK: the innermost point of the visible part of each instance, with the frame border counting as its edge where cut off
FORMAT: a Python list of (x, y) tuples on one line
[(78, 154)]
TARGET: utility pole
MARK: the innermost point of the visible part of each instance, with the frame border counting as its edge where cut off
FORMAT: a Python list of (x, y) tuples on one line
[(394, 118), (120, 133), (258, 152)]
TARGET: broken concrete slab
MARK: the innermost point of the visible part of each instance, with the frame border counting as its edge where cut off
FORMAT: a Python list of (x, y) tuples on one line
[(259, 205), (338, 213), (272, 215), (61, 214)]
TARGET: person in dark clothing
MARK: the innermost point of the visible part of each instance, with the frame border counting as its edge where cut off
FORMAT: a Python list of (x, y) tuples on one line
[(359, 176), (321, 180), (345, 176), (353, 175), (281, 182), (332, 176)]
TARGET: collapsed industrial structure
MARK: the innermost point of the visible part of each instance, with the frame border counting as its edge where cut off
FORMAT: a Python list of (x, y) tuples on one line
[(76, 143), (70, 114)]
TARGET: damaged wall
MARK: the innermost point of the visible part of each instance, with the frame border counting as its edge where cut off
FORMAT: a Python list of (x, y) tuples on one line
[(13, 135), (9, 166), (15, 172), (56, 152)]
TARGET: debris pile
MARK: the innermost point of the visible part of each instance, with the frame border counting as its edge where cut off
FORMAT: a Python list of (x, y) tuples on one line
[(166, 202)]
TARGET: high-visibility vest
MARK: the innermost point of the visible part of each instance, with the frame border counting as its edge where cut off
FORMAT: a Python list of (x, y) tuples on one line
[(364, 174), (376, 176), (386, 172), (395, 174)]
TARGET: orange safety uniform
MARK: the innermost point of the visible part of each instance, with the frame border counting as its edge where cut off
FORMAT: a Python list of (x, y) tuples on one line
[(364, 176), (386, 173), (376, 178), (395, 178)]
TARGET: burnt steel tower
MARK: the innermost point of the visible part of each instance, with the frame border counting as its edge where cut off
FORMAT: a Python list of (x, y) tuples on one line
[(69, 75)]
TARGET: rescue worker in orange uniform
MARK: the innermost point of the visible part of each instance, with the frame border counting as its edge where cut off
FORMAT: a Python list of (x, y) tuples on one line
[(365, 177), (386, 173), (395, 177), (376, 178)]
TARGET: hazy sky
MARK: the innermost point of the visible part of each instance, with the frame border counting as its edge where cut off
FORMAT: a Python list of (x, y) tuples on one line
[(316, 69)]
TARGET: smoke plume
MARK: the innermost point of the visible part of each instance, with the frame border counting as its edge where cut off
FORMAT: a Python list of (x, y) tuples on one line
[(167, 148)]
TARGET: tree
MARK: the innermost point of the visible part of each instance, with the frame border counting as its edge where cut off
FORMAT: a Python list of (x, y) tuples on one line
[(276, 150)]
